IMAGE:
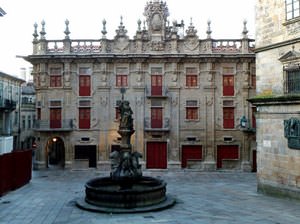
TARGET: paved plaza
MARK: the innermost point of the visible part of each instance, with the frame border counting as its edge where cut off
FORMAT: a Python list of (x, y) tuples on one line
[(202, 197)]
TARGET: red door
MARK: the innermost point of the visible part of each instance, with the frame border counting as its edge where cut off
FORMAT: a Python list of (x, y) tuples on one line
[(227, 152), (84, 85), (156, 85), (55, 118), (156, 155), (156, 118), (228, 85), (190, 152), (84, 118)]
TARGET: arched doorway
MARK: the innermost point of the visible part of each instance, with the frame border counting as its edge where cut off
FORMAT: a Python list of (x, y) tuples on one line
[(55, 152)]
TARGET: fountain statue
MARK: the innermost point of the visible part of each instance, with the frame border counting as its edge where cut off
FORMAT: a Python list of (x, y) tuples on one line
[(126, 190)]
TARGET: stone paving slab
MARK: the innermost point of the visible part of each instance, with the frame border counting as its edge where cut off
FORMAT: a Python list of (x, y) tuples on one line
[(202, 197)]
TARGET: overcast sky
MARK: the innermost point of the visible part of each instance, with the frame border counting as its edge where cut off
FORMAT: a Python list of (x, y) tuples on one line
[(85, 18)]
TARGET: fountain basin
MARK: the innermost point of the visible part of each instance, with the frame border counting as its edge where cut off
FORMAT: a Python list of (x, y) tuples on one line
[(108, 195)]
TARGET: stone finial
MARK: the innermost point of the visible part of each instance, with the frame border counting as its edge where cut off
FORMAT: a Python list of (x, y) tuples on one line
[(104, 32), (67, 31), (35, 34), (43, 32), (245, 31), (121, 32), (174, 27), (191, 31), (139, 22), (208, 31), (144, 25)]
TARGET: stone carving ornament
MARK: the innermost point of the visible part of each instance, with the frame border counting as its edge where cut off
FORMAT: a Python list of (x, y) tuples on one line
[(292, 132)]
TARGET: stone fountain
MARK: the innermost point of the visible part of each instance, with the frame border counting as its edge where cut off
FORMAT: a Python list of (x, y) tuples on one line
[(126, 190)]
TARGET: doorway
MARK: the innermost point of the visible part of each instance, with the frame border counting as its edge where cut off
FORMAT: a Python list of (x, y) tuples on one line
[(55, 152)]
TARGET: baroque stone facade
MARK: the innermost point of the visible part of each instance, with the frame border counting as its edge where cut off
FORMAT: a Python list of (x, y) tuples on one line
[(188, 96), (277, 100)]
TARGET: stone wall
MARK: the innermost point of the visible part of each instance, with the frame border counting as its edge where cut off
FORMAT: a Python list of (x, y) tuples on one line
[(277, 46)]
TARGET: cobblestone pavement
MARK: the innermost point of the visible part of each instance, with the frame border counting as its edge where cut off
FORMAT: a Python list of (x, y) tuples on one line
[(202, 197)]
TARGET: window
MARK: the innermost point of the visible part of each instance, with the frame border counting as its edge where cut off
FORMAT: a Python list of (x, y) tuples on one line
[(191, 77), (228, 81), (292, 9), (55, 117), (55, 77), (23, 122), (293, 81), (84, 82), (191, 110), (38, 113), (29, 121), (84, 118), (253, 78), (34, 120), (122, 77), (228, 85), (16, 118), (228, 117), (156, 117)]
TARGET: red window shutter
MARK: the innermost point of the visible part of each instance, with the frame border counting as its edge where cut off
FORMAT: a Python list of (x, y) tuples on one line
[(55, 81), (55, 118), (156, 85), (228, 85), (121, 80), (191, 113), (191, 80), (84, 118), (228, 117), (156, 118), (84, 85)]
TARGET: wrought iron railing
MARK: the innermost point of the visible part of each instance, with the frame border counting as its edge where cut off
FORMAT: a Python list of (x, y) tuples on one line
[(45, 125), (156, 93), (8, 104), (148, 126)]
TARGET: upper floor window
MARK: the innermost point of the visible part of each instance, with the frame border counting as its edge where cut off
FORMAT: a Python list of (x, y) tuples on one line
[(55, 77), (228, 81), (228, 117), (84, 82), (293, 81), (122, 77), (191, 110), (292, 9), (253, 77), (191, 77)]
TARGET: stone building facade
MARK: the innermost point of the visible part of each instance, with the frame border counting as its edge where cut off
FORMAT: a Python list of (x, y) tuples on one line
[(10, 94), (28, 116), (188, 96), (278, 99)]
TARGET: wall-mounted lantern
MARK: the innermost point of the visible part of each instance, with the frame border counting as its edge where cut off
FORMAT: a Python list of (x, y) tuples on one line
[(243, 122)]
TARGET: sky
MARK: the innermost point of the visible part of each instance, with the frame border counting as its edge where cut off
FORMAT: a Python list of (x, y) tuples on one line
[(85, 21)]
